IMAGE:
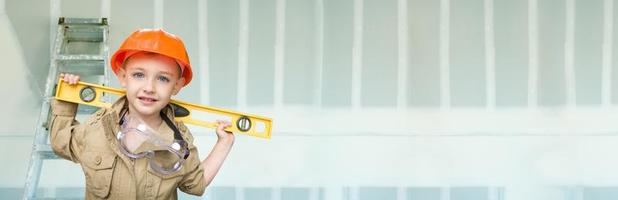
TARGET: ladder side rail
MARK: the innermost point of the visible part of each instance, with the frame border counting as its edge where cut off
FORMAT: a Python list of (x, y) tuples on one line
[(41, 136)]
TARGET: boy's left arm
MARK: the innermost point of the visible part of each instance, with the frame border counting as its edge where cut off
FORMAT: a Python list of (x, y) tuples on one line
[(204, 172), (193, 182)]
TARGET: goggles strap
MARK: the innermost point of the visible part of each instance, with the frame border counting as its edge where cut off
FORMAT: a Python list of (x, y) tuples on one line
[(177, 135)]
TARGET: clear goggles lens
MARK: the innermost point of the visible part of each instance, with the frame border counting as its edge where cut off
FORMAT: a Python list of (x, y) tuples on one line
[(138, 140)]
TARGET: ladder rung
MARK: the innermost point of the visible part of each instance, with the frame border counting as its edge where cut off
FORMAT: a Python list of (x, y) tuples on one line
[(45, 151), (83, 71), (84, 33), (48, 155), (82, 63), (84, 109), (42, 147), (80, 57)]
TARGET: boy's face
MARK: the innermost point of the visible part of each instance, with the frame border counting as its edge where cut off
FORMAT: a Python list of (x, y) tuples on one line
[(150, 81)]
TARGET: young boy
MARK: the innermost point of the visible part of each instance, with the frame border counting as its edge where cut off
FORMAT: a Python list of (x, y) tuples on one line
[(152, 65)]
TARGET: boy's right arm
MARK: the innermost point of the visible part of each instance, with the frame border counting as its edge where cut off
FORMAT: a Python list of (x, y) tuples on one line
[(64, 131), (66, 134)]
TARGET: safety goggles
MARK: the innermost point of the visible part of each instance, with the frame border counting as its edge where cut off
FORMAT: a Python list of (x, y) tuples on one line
[(137, 140)]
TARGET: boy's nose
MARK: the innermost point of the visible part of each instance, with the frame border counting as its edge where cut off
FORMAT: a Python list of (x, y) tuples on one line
[(149, 87)]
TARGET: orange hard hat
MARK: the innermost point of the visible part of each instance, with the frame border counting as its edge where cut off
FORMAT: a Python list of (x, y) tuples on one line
[(155, 41)]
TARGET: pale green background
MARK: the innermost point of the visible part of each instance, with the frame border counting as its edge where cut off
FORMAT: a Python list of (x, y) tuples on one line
[(322, 159)]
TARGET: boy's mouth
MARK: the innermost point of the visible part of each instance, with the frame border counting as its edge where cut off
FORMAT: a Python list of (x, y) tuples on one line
[(147, 99)]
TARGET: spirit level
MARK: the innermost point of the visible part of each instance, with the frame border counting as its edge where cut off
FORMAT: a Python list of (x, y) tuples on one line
[(92, 94)]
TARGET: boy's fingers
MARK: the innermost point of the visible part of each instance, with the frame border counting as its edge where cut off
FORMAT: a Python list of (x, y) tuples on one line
[(69, 78), (72, 79), (223, 124)]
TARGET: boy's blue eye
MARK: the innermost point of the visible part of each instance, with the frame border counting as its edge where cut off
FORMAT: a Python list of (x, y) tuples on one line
[(164, 79), (138, 75)]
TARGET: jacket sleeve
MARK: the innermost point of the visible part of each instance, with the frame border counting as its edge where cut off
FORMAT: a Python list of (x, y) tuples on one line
[(65, 132), (193, 181)]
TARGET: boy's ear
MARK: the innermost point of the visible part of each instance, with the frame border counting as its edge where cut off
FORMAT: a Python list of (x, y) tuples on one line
[(122, 77), (178, 86)]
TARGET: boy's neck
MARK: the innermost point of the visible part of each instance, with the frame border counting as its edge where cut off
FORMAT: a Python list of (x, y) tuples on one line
[(153, 121)]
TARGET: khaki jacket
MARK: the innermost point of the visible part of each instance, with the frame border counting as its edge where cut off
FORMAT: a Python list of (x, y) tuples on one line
[(109, 173)]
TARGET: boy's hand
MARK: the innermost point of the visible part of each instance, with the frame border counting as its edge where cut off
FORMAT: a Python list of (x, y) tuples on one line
[(71, 79), (223, 135)]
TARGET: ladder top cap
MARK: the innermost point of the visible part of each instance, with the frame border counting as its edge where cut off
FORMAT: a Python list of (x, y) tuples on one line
[(82, 21)]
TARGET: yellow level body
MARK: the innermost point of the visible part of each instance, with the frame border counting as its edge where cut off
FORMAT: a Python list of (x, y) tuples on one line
[(92, 94)]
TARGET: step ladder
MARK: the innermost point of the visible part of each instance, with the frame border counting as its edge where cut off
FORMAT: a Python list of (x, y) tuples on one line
[(81, 47)]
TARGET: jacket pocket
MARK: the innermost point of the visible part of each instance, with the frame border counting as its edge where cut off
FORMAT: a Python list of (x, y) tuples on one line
[(162, 186), (99, 169)]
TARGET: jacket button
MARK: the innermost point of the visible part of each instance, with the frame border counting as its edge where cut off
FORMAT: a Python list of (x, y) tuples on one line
[(97, 160)]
